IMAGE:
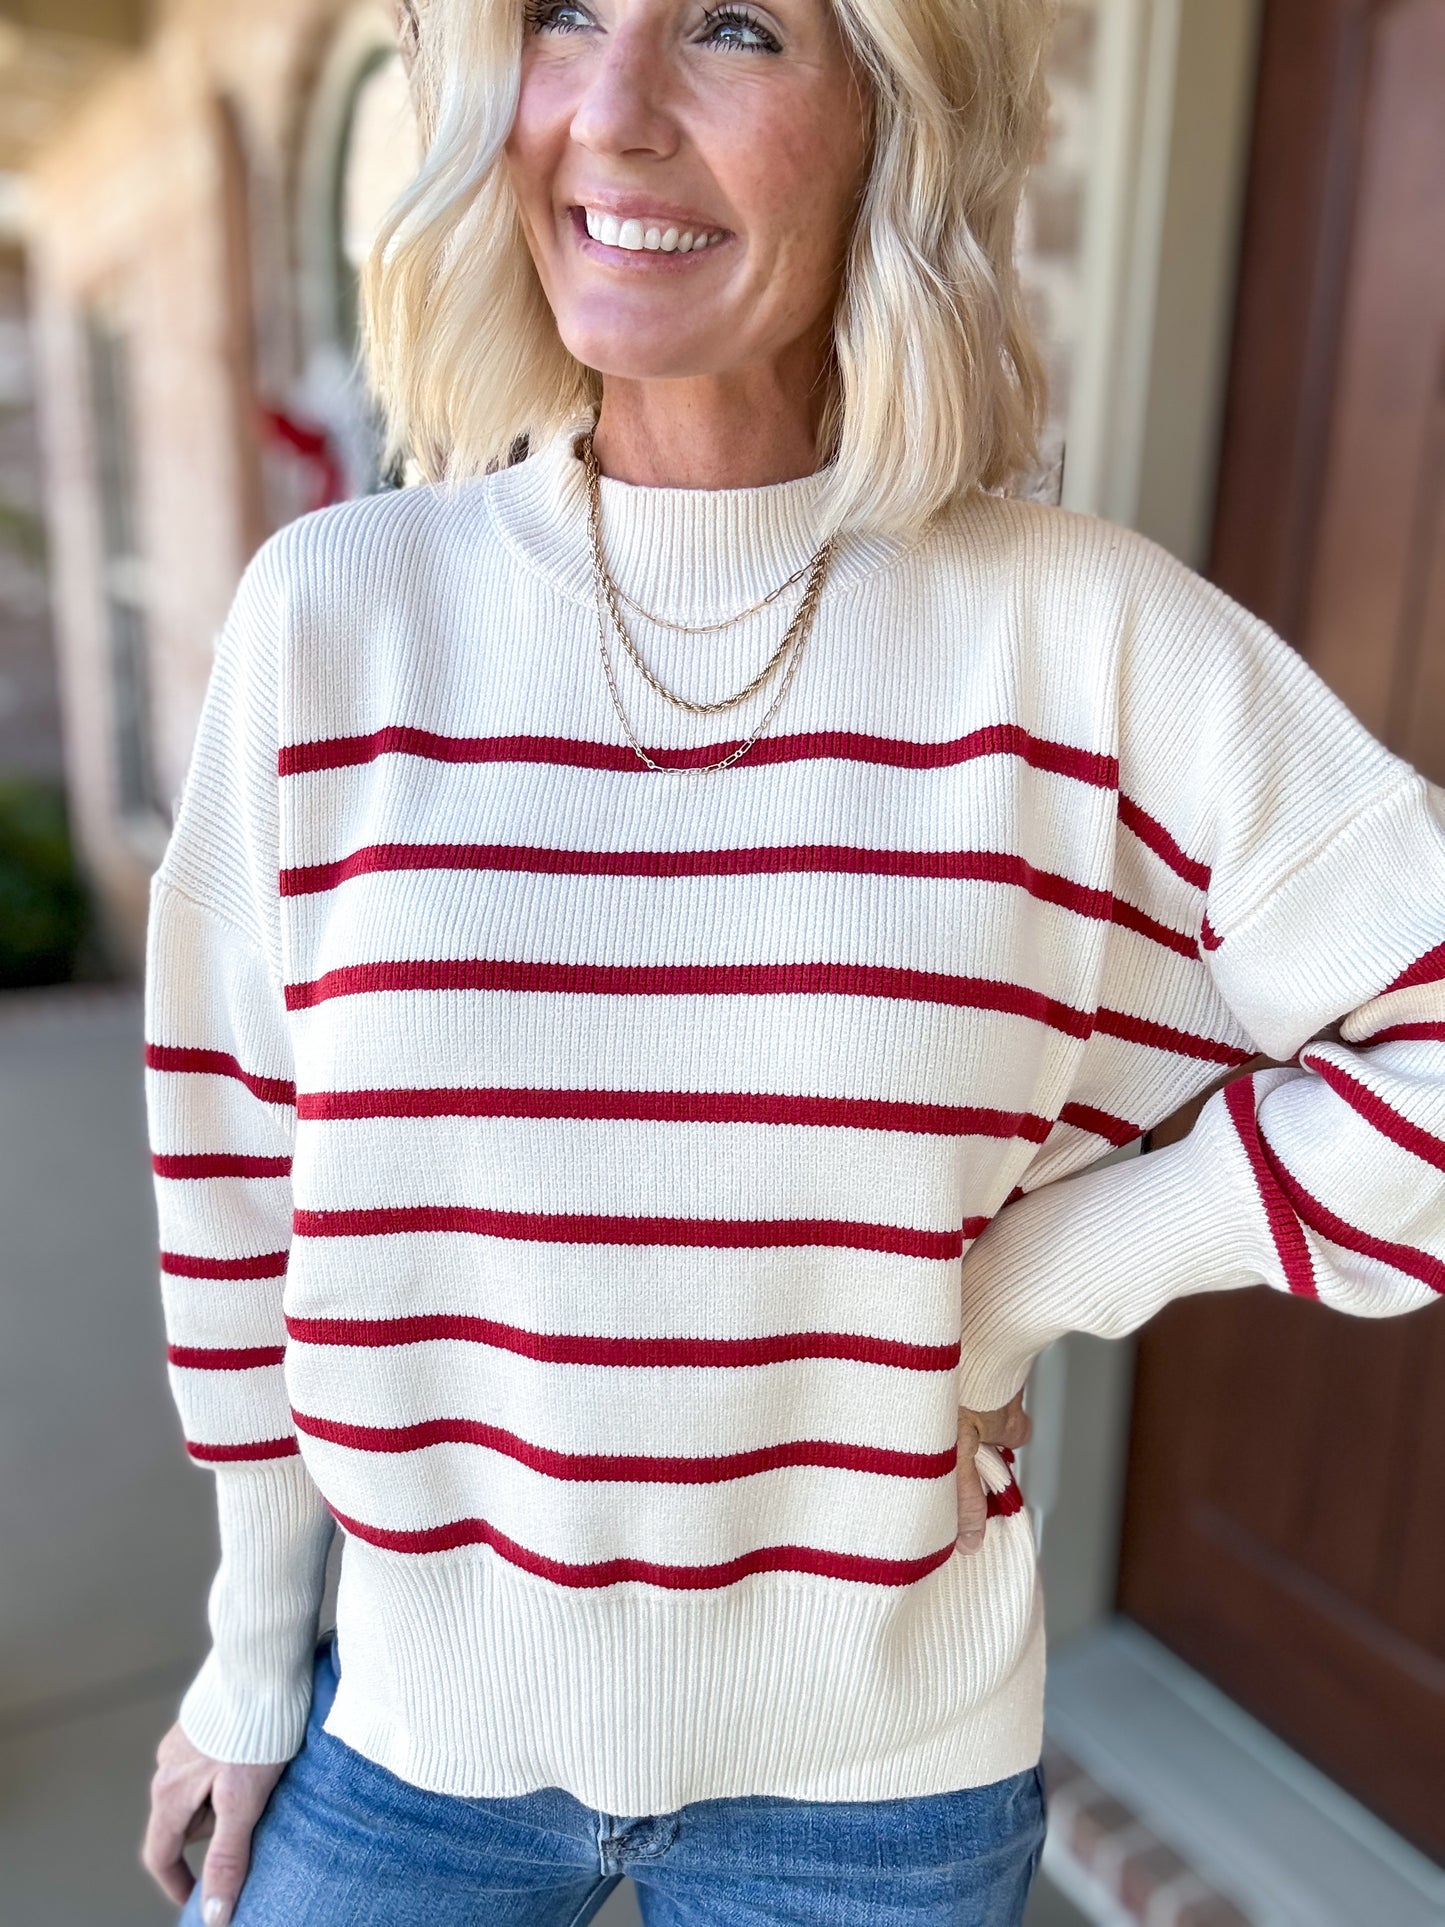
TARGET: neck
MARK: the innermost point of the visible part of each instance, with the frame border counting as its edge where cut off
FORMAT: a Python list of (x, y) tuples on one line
[(745, 429)]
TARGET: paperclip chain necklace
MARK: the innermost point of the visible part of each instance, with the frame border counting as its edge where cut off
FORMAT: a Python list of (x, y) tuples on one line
[(607, 609)]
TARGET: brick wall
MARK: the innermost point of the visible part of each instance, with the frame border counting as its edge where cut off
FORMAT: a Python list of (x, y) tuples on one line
[(129, 218), (131, 215)]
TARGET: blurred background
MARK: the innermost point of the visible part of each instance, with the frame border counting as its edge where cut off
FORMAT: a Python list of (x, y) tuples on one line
[(1235, 252)]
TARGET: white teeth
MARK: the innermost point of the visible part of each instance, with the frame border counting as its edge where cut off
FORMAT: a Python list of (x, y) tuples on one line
[(635, 237)]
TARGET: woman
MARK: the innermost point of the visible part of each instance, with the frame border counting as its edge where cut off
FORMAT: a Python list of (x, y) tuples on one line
[(652, 918)]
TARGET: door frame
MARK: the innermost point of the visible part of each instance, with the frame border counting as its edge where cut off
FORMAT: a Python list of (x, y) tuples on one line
[(1173, 114)]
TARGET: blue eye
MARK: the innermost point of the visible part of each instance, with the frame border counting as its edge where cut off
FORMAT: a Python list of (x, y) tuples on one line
[(736, 27), (546, 16)]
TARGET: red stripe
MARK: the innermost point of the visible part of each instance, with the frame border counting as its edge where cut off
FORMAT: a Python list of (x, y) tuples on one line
[(1424, 1033), (168, 1057), (966, 866), (751, 980), (1151, 832), (1084, 1117), (1289, 1241), (586, 1348), (997, 739), (577, 1227), (1208, 937), (689, 980), (1127, 917), (1003, 1505), (650, 1469), (219, 1164), (1428, 969), (269, 1264), (710, 1107), (229, 1358), (953, 866), (1183, 1043), (677, 1107), (1406, 1258), (286, 1448), (611, 1572), (1383, 1117)]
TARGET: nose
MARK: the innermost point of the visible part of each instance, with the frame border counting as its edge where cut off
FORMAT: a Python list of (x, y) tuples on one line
[(623, 106)]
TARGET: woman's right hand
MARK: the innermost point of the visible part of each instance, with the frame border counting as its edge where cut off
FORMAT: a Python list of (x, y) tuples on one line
[(193, 1797)]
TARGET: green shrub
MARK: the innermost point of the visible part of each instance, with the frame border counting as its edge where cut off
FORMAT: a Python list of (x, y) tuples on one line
[(43, 909)]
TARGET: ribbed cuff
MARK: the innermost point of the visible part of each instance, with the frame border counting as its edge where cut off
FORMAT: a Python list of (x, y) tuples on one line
[(1102, 1252), (250, 1701)]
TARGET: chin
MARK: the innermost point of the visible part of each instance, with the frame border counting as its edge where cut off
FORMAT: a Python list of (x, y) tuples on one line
[(630, 352), (628, 362)]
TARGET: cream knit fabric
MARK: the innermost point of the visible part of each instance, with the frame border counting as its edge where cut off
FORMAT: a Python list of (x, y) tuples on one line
[(598, 1190)]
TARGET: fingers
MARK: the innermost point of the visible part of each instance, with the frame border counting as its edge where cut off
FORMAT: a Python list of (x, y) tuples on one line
[(1010, 1425), (972, 1499), (203, 1825), (239, 1796), (193, 1796), (178, 1799)]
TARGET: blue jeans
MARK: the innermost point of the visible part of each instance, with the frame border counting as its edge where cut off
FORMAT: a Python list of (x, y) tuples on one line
[(345, 1843)]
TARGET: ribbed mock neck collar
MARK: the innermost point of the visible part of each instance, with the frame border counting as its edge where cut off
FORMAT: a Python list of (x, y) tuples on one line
[(689, 554)]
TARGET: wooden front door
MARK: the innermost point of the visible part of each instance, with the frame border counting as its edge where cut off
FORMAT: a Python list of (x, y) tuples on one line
[(1285, 1511)]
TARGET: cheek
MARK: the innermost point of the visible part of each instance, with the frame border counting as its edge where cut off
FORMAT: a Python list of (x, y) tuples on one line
[(798, 189), (535, 143)]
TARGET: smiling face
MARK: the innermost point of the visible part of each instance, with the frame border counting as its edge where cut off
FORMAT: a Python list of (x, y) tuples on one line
[(686, 177)]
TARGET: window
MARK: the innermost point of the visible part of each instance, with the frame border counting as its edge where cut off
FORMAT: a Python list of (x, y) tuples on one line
[(379, 156), (361, 147), (123, 570)]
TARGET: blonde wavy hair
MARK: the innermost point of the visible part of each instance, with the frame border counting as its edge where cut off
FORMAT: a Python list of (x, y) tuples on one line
[(936, 386)]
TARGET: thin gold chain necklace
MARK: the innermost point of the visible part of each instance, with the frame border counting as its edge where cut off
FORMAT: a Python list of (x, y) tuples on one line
[(791, 646), (693, 628), (727, 622)]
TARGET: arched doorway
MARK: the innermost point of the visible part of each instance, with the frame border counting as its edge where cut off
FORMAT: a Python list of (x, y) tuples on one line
[(361, 147)]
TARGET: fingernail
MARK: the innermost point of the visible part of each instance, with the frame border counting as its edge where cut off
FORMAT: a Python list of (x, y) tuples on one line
[(972, 1541), (216, 1911)]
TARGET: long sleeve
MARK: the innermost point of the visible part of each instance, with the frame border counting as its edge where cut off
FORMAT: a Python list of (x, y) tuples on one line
[(220, 1091), (1321, 925)]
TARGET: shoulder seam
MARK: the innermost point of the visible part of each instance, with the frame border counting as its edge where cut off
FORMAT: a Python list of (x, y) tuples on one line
[(253, 939), (1409, 780)]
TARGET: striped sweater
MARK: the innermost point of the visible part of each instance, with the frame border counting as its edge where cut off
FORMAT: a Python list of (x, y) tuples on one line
[(595, 1191)]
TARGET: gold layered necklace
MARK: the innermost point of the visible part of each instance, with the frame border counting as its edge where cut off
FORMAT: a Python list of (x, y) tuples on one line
[(727, 622), (609, 612)]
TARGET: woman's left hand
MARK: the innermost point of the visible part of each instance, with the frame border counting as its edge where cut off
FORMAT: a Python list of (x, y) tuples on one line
[(1008, 1426)]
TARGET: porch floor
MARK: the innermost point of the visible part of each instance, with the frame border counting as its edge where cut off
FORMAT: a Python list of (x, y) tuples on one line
[(1257, 1821)]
